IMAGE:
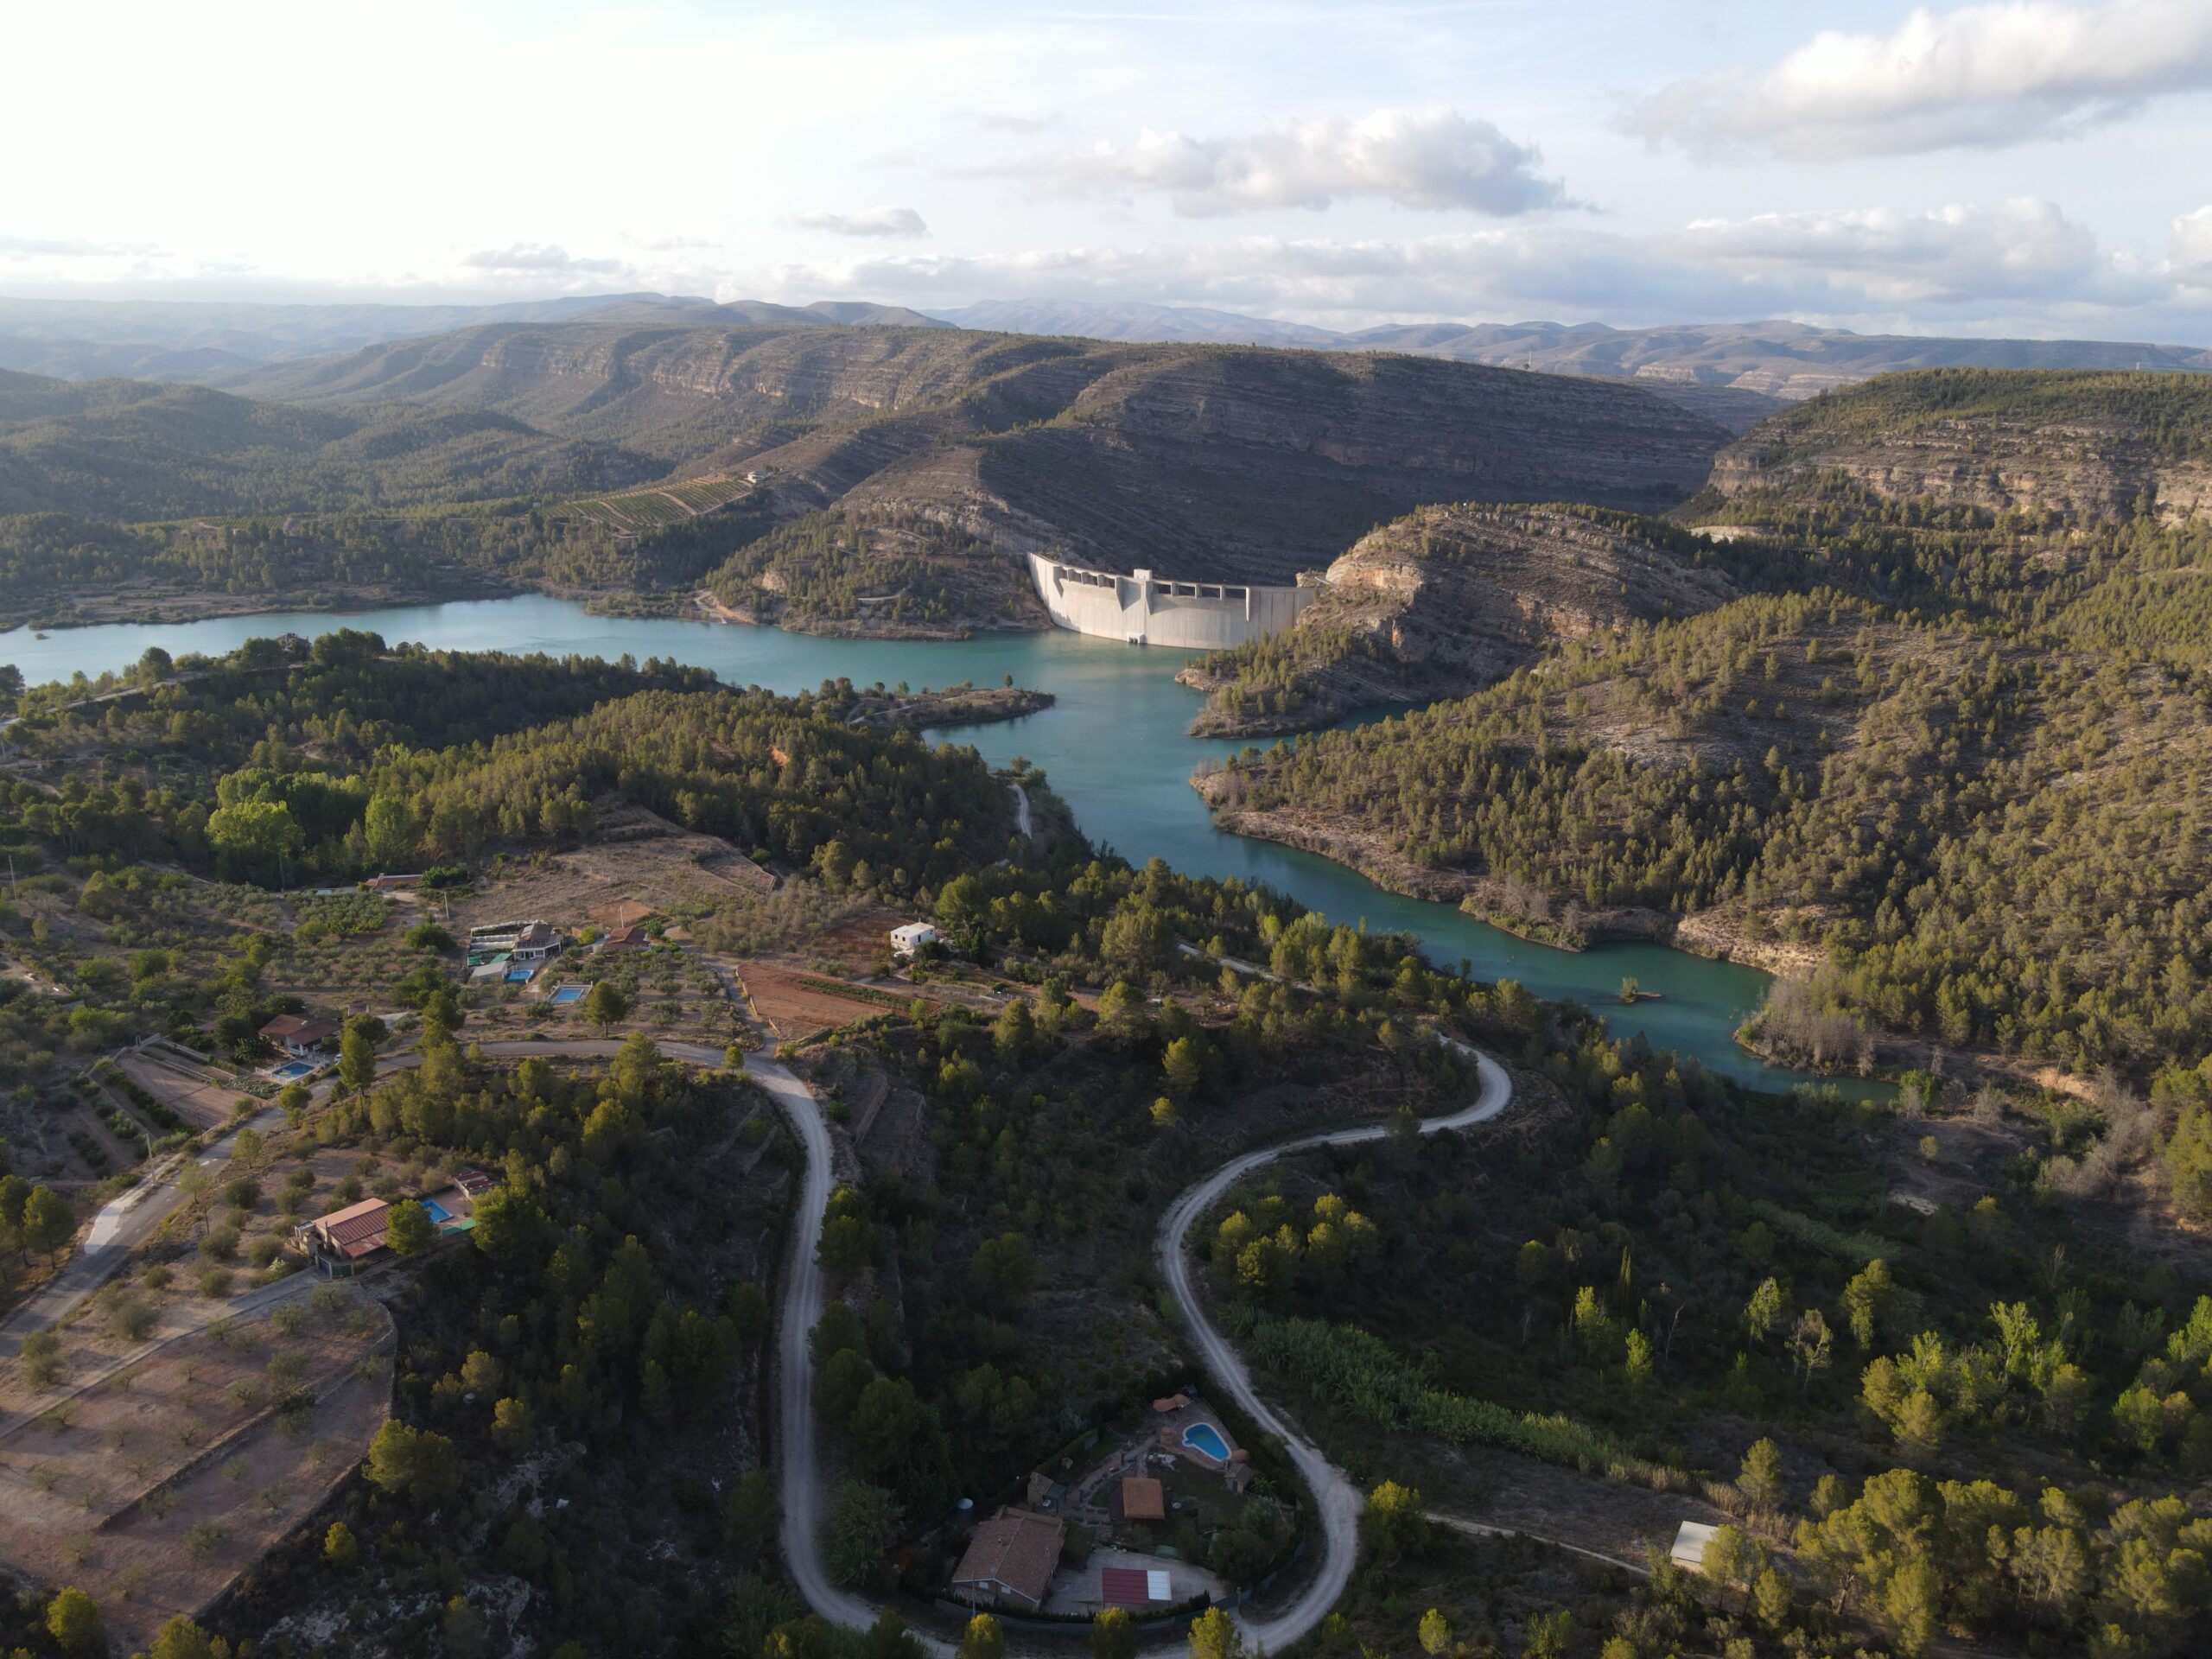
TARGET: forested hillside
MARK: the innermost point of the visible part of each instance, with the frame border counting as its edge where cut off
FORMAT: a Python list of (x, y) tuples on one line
[(1960, 776), (128, 449)]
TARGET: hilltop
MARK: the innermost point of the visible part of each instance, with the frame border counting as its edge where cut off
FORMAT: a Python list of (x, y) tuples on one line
[(1447, 600), (132, 449), (2080, 447)]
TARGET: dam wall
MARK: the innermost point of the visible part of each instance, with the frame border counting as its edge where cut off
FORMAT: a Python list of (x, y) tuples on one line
[(1148, 610)]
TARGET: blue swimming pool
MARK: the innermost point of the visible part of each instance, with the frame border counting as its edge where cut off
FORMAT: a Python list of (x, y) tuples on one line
[(437, 1212), (519, 976), (293, 1072), (1204, 1437), (567, 994)]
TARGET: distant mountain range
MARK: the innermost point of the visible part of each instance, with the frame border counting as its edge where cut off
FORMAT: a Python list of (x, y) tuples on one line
[(1735, 374), (213, 342)]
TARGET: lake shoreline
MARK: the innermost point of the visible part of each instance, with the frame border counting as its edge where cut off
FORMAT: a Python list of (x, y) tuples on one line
[(1112, 741)]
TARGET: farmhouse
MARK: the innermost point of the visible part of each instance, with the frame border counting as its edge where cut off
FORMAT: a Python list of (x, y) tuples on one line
[(1010, 1561), (622, 940), (344, 1236), (912, 936), (299, 1035)]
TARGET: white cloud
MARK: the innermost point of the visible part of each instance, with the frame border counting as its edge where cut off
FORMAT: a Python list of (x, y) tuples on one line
[(1981, 76), (540, 259), (2191, 248), (1432, 159), (874, 222), (2018, 263)]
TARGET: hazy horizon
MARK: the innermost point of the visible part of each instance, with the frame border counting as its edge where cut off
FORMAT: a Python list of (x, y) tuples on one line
[(2006, 170)]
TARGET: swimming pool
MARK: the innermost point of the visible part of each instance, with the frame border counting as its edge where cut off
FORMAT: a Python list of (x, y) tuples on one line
[(436, 1211), (1204, 1437), (293, 1072), (519, 976), (567, 994)]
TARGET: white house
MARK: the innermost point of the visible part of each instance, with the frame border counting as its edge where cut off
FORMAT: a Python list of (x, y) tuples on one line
[(910, 937)]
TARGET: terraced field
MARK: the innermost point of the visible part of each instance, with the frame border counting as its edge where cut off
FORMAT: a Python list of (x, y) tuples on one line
[(650, 509)]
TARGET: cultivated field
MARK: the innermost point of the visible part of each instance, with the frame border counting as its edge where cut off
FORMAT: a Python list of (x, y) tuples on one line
[(152, 1486), (798, 1004)]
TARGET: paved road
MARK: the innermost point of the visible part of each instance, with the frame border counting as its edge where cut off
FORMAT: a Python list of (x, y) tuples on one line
[(1021, 813), (1337, 1500)]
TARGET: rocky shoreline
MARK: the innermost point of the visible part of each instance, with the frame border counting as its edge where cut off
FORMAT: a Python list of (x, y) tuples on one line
[(1712, 934)]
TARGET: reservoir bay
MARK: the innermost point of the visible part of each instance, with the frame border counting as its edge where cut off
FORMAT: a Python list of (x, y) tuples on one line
[(1113, 746)]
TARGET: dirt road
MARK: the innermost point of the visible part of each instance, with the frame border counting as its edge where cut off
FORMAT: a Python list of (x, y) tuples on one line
[(1337, 1500)]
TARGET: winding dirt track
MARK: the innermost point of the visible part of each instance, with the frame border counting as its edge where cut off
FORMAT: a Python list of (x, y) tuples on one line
[(1337, 1501), (802, 1487)]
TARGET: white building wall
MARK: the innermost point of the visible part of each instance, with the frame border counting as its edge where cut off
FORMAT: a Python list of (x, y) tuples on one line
[(1145, 609)]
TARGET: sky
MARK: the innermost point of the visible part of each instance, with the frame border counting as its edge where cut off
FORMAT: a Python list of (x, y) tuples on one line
[(2040, 168)]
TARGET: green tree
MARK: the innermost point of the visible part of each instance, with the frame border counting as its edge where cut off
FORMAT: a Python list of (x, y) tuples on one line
[(182, 1639), (418, 1463), (408, 1229), (255, 835), (1435, 1634), (465, 1629), (1760, 1477), (1183, 1066), (1113, 1634), (753, 1513), (984, 1638), (1864, 1299), (514, 1426), (1214, 1634), (73, 1619), (356, 1060), (48, 1223), (1763, 1313), (1638, 1363), (1002, 1269), (340, 1549), (857, 1527), (605, 1005), (1394, 1521)]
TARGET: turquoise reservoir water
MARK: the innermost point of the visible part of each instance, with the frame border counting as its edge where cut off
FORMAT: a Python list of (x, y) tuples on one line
[(1114, 747)]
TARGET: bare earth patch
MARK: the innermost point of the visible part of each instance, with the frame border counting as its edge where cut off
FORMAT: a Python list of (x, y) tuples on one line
[(156, 1487)]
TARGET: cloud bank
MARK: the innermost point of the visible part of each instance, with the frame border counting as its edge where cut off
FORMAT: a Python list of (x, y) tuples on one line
[(1971, 266), (875, 221), (1982, 77), (1436, 160)]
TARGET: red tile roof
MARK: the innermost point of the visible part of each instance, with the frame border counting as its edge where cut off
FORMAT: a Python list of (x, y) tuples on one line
[(358, 1229), (1014, 1552)]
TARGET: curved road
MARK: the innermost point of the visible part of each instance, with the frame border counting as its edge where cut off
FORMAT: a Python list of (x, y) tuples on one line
[(1337, 1501)]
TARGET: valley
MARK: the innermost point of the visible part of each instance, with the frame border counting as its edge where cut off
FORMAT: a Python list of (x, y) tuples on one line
[(1700, 1019)]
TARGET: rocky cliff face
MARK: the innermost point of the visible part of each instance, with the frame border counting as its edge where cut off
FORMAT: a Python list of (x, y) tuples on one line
[(1448, 599), (2087, 447)]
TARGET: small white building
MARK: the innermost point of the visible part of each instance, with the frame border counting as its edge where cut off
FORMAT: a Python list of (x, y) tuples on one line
[(910, 937), (1689, 1545)]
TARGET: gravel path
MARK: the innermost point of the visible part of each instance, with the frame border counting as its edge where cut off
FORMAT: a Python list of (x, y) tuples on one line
[(1337, 1501)]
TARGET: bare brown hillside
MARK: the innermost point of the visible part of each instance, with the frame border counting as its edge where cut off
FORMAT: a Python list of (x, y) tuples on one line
[(1206, 460)]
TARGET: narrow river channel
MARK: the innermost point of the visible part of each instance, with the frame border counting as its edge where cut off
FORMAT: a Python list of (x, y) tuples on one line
[(1114, 747)]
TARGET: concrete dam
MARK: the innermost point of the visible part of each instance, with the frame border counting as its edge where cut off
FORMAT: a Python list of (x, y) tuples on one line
[(1147, 610)]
